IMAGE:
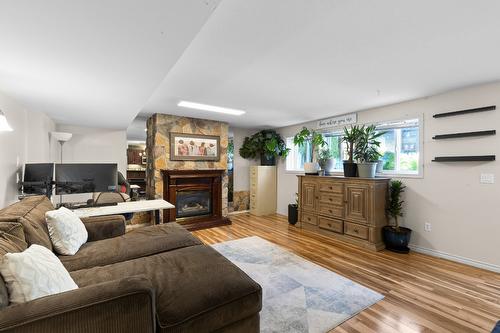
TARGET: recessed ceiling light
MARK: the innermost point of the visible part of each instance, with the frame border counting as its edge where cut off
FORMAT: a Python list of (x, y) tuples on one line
[(211, 108)]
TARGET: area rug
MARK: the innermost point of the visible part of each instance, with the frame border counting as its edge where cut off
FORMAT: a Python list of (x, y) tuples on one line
[(298, 295)]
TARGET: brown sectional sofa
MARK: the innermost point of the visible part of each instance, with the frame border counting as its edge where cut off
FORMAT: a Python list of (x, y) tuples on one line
[(154, 279)]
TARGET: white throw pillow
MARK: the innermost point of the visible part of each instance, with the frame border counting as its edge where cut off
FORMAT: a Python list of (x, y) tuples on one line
[(67, 232), (36, 272)]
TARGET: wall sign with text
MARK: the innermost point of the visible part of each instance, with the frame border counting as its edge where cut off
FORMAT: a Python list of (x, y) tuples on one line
[(343, 120)]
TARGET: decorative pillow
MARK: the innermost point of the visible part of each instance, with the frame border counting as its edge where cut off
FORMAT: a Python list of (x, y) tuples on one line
[(67, 232), (34, 273), (11, 241)]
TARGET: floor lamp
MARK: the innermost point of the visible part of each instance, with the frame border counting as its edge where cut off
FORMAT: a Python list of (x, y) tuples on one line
[(62, 138)]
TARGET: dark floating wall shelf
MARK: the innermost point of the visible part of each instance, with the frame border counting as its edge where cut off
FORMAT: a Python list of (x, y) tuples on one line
[(458, 113), (481, 158), (464, 134)]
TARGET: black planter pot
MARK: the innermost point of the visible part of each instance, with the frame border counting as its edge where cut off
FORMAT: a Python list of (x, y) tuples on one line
[(293, 214), (396, 240), (350, 169), (265, 160)]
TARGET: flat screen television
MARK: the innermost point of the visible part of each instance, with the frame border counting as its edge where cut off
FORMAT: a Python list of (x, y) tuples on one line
[(40, 175), (86, 178)]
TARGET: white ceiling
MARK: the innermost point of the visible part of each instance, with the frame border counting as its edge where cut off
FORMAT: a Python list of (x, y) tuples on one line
[(98, 63), (93, 62), (291, 61)]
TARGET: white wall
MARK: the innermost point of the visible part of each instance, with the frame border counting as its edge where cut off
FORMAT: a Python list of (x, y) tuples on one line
[(241, 175), (465, 215), (29, 142), (94, 145)]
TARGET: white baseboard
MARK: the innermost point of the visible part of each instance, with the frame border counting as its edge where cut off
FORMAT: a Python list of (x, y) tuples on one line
[(452, 257)]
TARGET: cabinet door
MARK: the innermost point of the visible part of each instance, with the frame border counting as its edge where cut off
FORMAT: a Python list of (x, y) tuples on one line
[(357, 208), (308, 195)]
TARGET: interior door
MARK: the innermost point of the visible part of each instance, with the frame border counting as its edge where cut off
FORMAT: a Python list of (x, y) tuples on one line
[(357, 203)]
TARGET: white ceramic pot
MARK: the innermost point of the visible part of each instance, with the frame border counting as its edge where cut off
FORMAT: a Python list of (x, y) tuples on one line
[(330, 163), (367, 170), (380, 166), (311, 168)]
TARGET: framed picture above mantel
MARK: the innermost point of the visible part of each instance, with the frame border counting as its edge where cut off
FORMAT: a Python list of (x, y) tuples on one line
[(194, 147)]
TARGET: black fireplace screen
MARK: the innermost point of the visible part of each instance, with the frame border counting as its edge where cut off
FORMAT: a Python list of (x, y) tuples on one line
[(193, 203)]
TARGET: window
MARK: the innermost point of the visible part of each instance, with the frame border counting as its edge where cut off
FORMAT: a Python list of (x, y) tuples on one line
[(400, 149)]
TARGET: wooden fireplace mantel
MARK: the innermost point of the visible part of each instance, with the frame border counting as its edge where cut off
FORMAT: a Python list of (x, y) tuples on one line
[(175, 181)]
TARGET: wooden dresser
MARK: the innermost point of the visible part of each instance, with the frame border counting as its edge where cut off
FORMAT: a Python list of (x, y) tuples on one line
[(350, 209), (263, 190)]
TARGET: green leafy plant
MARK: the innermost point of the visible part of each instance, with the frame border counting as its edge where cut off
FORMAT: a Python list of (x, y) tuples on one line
[(351, 137), (395, 205), (324, 155), (314, 138), (265, 142), (367, 146)]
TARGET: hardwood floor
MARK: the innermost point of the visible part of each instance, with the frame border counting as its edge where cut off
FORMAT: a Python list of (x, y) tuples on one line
[(422, 293)]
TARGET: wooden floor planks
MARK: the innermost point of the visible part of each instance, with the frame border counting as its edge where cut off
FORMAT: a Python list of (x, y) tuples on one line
[(422, 293)]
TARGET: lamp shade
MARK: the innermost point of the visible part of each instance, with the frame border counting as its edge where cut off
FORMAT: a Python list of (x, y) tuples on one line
[(61, 136), (4, 125)]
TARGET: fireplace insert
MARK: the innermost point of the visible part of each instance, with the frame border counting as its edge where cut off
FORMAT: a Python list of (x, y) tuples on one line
[(193, 203)]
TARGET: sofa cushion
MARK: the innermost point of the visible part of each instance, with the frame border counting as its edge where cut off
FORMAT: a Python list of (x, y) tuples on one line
[(11, 241), (198, 290), (31, 213), (138, 243), (12, 238)]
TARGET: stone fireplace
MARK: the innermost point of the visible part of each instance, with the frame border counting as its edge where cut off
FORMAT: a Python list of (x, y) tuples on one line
[(196, 195), (194, 203)]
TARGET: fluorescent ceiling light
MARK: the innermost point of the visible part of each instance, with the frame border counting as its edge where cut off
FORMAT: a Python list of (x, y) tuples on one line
[(4, 125), (211, 108)]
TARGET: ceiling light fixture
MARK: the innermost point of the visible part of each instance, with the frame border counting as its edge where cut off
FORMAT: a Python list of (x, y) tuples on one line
[(4, 124), (211, 108)]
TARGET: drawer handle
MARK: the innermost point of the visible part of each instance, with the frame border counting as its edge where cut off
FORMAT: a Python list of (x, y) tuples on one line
[(309, 219), (330, 199), (331, 212), (356, 231), (331, 188), (329, 224)]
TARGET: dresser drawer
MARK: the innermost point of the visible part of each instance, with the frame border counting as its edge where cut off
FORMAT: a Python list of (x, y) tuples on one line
[(331, 210), (331, 224), (309, 219), (356, 230), (326, 186), (331, 198)]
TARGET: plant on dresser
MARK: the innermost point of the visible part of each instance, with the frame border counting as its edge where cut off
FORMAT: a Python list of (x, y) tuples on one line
[(396, 238), (367, 151), (350, 209), (351, 138), (313, 140)]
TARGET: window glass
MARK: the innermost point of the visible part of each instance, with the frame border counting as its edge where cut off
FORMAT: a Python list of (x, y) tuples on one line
[(399, 146)]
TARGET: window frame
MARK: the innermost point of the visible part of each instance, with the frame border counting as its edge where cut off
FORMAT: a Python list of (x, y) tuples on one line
[(387, 174)]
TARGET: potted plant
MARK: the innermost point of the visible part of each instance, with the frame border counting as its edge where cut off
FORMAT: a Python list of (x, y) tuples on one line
[(325, 159), (293, 211), (366, 151), (396, 238), (350, 137), (266, 144), (315, 141)]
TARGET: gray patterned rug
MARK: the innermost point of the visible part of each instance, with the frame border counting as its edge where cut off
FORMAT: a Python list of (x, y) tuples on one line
[(298, 296)]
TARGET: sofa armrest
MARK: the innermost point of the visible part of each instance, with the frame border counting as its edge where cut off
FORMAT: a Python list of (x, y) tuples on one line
[(102, 227), (126, 305)]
